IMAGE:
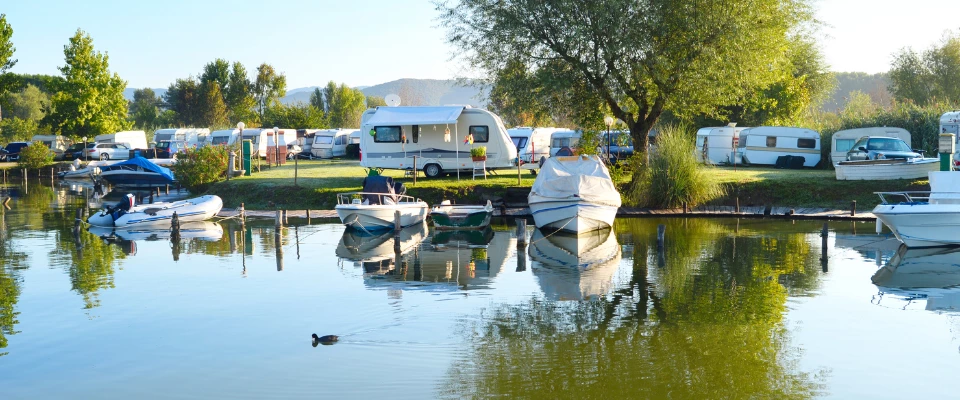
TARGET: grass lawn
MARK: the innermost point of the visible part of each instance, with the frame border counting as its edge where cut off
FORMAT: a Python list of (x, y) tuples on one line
[(318, 183)]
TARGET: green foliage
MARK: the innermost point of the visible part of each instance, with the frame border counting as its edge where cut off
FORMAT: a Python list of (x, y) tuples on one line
[(928, 77), (36, 155), (90, 101), (16, 129), (214, 109), (268, 88), (299, 116), (479, 151), (375, 101), (26, 105), (345, 105), (674, 176), (239, 95), (196, 169), (6, 46), (145, 108)]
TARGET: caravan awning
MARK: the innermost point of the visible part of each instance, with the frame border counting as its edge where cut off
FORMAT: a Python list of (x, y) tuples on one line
[(415, 115)]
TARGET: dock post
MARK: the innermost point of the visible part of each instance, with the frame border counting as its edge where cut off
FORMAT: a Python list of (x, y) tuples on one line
[(521, 233), (151, 197), (396, 222), (737, 209), (77, 220), (661, 236), (308, 216), (277, 220), (278, 243), (284, 214), (684, 207), (824, 234), (243, 216), (853, 208), (166, 189), (175, 227)]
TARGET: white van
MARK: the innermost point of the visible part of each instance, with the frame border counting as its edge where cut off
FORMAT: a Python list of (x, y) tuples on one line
[(226, 137), (132, 139), (329, 143), (533, 144), (715, 145), (58, 144), (842, 141), (436, 136), (564, 138), (763, 145), (190, 136)]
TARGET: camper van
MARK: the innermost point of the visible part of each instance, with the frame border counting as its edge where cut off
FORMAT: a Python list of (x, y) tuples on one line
[(765, 144), (565, 138), (58, 144), (226, 137), (132, 139), (843, 141), (329, 143), (192, 137), (436, 136), (533, 144), (950, 123), (715, 145), (305, 141), (261, 138)]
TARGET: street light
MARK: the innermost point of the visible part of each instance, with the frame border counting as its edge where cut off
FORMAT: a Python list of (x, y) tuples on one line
[(83, 153), (608, 120)]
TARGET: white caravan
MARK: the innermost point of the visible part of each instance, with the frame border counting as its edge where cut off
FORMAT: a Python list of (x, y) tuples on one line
[(191, 136), (533, 144), (763, 145), (843, 141), (226, 137), (261, 139), (133, 139), (715, 145), (58, 144), (305, 139), (950, 123), (355, 137), (329, 143), (436, 136), (565, 138)]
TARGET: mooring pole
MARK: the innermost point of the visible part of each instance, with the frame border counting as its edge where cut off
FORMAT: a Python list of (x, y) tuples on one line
[(396, 222), (308, 216), (853, 208), (661, 236), (277, 220), (738, 206), (824, 234), (521, 233), (175, 227), (243, 216)]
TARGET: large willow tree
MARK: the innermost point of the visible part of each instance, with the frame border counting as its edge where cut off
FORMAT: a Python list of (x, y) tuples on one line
[(639, 57)]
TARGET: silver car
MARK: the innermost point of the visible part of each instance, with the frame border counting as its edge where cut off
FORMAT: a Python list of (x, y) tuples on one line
[(107, 151), (878, 148)]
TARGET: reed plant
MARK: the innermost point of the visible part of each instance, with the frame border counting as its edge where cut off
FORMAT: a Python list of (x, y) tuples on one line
[(674, 176)]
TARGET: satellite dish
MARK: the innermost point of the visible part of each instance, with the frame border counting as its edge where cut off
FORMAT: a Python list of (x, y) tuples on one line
[(392, 100)]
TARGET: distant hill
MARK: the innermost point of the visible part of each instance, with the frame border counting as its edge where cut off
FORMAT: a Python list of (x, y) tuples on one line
[(412, 92), (128, 92), (874, 85)]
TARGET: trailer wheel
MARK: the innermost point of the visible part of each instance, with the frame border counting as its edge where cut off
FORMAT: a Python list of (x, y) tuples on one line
[(432, 170)]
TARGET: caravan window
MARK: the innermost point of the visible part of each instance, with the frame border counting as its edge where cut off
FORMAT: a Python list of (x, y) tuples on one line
[(387, 134), (416, 133), (771, 141), (323, 140), (843, 145), (220, 140), (806, 143), (481, 134)]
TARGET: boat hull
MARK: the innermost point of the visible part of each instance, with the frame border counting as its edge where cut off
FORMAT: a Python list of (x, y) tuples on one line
[(922, 225), (161, 214), (378, 217), (885, 169), (574, 216), (135, 178)]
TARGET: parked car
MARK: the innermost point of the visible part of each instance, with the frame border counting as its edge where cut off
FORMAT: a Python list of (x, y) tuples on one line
[(879, 148), (74, 152), (167, 148), (107, 151), (617, 152), (13, 150)]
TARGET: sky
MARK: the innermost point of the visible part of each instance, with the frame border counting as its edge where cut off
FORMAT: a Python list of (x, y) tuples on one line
[(362, 43)]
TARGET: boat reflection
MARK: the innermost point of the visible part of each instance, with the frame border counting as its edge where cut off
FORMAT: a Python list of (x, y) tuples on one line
[(931, 274), (571, 267), (377, 250), (126, 238)]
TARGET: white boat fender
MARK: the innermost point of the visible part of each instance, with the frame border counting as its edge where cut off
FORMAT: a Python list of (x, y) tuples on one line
[(879, 226)]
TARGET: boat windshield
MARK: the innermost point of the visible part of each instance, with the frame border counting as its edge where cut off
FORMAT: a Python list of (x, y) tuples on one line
[(520, 142), (888, 145)]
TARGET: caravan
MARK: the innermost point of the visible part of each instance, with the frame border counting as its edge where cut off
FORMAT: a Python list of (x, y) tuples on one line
[(765, 144), (329, 143), (436, 136), (565, 138), (533, 144), (56, 143), (132, 139), (843, 141), (262, 137), (226, 137), (192, 137), (717, 145)]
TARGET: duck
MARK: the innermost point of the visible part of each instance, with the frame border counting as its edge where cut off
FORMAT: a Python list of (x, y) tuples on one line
[(324, 340)]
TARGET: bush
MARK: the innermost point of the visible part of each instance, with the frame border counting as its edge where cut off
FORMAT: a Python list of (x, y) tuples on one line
[(197, 169), (674, 176), (36, 155)]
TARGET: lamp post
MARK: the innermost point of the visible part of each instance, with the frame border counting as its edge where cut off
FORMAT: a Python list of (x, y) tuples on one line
[(608, 120), (83, 153)]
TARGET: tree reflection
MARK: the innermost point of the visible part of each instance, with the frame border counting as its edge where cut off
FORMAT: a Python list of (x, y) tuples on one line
[(9, 294), (707, 324)]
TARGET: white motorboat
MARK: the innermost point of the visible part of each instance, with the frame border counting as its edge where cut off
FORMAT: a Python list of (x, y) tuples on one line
[(127, 214), (574, 194), (575, 267), (925, 219), (876, 170), (376, 206), (92, 168)]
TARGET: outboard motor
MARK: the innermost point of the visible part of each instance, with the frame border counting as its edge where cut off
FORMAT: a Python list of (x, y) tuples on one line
[(124, 206)]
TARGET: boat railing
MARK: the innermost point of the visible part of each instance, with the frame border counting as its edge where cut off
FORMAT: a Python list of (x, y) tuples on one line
[(369, 197), (918, 196)]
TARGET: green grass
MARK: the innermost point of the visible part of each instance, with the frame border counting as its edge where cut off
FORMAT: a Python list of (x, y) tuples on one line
[(319, 182)]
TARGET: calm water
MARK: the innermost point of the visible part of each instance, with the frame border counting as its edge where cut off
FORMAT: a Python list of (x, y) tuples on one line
[(741, 309)]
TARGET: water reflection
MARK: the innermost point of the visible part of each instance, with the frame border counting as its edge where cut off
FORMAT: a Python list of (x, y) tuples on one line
[(571, 267), (931, 274)]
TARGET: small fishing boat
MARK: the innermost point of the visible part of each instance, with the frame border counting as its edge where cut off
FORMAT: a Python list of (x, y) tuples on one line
[(447, 216), (376, 206), (128, 214), (875, 170), (574, 194), (136, 172)]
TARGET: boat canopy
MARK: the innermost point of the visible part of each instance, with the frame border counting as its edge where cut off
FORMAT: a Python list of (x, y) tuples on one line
[(415, 115), (146, 165), (584, 177)]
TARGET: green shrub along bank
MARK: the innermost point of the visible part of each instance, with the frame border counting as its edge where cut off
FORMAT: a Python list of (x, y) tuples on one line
[(35, 156), (674, 177), (201, 167)]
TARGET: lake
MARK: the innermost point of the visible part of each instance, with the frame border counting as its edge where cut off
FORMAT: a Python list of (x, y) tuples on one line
[(729, 308)]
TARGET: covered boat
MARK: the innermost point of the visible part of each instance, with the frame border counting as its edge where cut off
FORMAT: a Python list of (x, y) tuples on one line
[(574, 194), (136, 172), (128, 214), (375, 207), (575, 267), (447, 216), (924, 219)]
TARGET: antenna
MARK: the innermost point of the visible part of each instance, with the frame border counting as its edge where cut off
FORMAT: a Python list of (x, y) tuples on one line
[(392, 100)]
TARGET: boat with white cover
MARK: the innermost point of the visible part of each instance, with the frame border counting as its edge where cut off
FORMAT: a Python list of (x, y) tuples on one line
[(127, 214), (374, 208), (924, 219), (574, 194), (136, 172), (575, 267)]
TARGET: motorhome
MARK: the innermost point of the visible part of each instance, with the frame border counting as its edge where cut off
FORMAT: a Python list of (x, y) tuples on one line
[(843, 141), (58, 144), (950, 123), (132, 139), (765, 144), (305, 140), (192, 137), (329, 143), (564, 138), (262, 138), (718, 145), (436, 135), (533, 144), (226, 137)]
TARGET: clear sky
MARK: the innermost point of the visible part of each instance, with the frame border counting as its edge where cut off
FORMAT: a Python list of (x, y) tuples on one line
[(367, 42)]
